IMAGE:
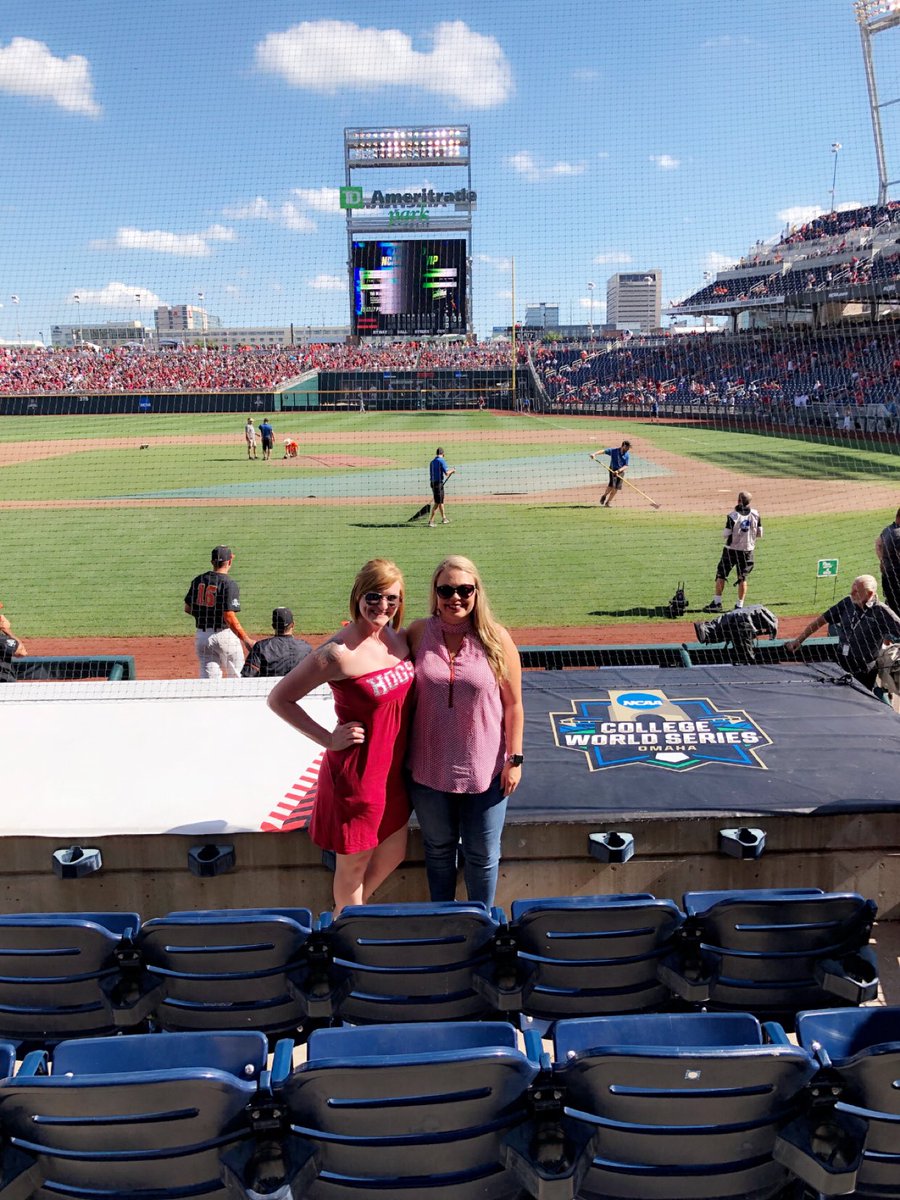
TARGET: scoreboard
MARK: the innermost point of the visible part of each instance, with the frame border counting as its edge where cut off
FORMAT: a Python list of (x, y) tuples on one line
[(415, 287)]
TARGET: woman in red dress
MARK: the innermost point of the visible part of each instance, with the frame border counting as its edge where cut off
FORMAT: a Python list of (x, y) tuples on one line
[(362, 807)]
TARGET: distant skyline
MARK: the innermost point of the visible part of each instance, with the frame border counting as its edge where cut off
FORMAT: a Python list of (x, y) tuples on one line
[(169, 150)]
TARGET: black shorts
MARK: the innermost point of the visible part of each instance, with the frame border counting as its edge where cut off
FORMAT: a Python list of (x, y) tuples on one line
[(268, 443), (437, 490), (742, 559), (615, 480)]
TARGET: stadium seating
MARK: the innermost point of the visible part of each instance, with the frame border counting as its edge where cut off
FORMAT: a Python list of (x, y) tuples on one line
[(154, 1115), (590, 955), (226, 969), (61, 975), (859, 1050), (693, 1105), (774, 951), (409, 962), (418, 1111)]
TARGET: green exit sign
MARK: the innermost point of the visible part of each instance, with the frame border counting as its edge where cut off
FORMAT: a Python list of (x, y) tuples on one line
[(826, 568)]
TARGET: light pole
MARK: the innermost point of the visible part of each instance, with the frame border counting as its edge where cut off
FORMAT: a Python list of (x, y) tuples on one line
[(137, 296), (15, 300), (77, 300), (591, 309), (835, 148)]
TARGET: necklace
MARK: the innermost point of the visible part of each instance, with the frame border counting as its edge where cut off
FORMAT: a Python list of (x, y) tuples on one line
[(463, 627)]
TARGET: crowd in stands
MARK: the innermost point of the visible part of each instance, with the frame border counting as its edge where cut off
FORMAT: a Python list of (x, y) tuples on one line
[(851, 220), (57, 371), (774, 371)]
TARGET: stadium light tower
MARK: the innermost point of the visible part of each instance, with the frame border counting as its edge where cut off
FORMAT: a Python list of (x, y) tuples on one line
[(835, 150), (874, 17), (591, 317)]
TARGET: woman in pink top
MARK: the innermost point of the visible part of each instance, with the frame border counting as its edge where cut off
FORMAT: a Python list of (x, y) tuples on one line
[(362, 807), (466, 738)]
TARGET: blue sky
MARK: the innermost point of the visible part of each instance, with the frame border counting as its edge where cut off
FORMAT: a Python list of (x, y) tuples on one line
[(174, 148)]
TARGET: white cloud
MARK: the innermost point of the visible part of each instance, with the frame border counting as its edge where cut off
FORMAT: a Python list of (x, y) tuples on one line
[(524, 163), (799, 214), (599, 306), (493, 260), (231, 289), (28, 68), (161, 241), (328, 283), (612, 256), (288, 214), (323, 199), (715, 262), (585, 75), (665, 162), (118, 295), (503, 295), (328, 56)]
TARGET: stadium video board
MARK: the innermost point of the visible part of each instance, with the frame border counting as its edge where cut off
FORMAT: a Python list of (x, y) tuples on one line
[(409, 287)]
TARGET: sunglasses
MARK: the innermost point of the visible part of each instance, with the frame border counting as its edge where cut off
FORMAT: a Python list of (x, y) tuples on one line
[(376, 598), (447, 592)]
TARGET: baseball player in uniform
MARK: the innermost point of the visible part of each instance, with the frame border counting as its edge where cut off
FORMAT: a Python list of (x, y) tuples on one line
[(743, 528), (10, 648), (214, 600)]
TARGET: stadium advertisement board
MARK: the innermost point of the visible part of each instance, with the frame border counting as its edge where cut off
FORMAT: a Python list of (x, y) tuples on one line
[(409, 287)]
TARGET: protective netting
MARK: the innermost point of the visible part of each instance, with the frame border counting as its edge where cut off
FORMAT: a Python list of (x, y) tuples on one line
[(258, 230)]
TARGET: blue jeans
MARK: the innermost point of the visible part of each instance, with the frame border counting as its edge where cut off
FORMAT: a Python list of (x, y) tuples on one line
[(448, 818)]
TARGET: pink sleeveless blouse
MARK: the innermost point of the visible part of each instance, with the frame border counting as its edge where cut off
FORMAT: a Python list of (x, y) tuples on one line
[(458, 746)]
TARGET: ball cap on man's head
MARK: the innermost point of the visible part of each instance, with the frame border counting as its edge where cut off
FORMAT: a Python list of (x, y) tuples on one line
[(221, 555), (282, 618)]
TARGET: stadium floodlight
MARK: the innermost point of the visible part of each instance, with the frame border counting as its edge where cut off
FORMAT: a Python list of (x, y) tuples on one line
[(874, 17), (877, 14), (443, 145)]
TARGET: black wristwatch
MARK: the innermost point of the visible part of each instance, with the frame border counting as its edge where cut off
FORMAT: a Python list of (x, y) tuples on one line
[(516, 760)]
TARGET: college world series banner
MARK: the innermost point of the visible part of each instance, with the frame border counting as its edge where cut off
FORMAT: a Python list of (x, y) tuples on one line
[(705, 740)]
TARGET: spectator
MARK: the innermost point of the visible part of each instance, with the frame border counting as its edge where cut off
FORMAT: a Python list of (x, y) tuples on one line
[(279, 654)]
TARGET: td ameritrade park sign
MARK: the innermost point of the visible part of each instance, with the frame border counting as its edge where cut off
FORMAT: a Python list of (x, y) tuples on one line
[(405, 208)]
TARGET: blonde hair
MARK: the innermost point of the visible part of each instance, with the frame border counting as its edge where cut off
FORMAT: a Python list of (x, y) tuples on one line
[(375, 576), (487, 630)]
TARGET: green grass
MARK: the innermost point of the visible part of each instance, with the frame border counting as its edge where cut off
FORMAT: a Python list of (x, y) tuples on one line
[(84, 572)]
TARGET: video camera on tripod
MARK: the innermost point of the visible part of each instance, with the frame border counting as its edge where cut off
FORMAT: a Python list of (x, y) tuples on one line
[(739, 629)]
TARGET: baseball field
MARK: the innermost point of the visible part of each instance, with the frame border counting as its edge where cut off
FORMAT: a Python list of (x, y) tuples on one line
[(104, 520)]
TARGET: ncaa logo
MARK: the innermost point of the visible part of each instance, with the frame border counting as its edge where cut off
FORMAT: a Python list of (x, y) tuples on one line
[(643, 701)]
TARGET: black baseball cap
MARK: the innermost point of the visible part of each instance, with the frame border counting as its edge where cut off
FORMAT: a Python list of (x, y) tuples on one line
[(221, 555), (282, 618)]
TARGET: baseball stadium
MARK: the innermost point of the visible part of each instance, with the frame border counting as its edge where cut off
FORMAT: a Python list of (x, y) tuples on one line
[(328, 329)]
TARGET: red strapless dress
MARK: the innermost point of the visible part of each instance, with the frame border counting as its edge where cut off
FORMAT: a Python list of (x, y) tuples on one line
[(362, 797)]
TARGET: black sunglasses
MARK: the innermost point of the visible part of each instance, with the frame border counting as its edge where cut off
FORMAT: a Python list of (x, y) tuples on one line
[(447, 592), (376, 598)]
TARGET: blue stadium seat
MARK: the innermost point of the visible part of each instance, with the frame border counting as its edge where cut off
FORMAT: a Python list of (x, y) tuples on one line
[(410, 962), (686, 1106), (227, 968), (592, 955), (409, 1111), (150, 1116), (61, 975), (774, 951), (859, 1050)]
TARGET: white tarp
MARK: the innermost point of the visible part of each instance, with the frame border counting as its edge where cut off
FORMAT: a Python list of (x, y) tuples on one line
[(152, 756)]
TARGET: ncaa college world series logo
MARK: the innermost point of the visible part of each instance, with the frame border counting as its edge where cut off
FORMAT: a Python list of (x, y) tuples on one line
[(647, 727)]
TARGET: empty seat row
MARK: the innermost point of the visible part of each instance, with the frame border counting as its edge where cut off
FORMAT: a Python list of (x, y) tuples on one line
[(651, 1107), (276, 971)]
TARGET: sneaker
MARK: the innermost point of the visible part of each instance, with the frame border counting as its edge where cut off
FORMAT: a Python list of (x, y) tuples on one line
[(602, 502), (712, 607), (445, 521), (431, 524)]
